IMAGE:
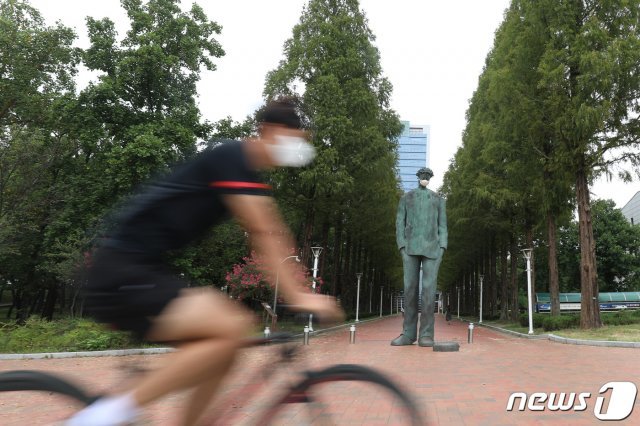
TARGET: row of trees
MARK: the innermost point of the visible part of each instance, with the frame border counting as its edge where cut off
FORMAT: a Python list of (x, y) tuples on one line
[(557, 105), (68, 157), (345, 202)]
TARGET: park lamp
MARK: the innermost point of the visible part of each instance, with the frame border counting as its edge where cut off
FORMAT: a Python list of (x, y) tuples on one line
[(316, 254), (527, 255), (275, 293), (358, 275)]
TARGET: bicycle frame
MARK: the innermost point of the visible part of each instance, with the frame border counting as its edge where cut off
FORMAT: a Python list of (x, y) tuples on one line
[(224, 410)]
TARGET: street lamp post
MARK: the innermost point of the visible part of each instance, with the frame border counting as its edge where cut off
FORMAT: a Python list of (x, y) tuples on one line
[(359, 275), (527, 256), (275, 296), (381, 301), (316, 254), (458, 302), (481, 279)]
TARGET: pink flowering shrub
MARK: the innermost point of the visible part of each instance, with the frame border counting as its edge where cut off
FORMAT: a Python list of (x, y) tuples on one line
[(248, 281)]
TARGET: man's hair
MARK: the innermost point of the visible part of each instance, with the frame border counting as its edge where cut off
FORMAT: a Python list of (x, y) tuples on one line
[(280, 111)]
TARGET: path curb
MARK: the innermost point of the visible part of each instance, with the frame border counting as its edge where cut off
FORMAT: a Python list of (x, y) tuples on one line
[(607, 343), (514, 333), (148, 351), (84, 354), (559, 339)]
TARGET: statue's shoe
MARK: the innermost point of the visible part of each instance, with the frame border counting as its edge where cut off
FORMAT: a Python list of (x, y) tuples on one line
[(425, 342), (402, 340)]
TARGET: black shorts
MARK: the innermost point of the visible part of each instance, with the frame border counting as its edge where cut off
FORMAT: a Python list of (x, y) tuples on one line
[(128, 290)]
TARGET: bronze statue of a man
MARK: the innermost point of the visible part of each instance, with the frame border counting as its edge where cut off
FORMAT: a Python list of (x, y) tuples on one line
[(421, 233)]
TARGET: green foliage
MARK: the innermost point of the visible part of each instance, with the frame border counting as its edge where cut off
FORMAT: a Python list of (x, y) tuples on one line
[(561, 322), (207, 262), (38, 335), (556, 106), (572, 320), (37, 68), (348, 196), (538, 320), (37, 64), (621, 317), (617, 248), (617, 244), (229, 129), (65, 158)]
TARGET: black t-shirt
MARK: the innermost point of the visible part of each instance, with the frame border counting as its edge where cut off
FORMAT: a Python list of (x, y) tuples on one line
[(180, 208)]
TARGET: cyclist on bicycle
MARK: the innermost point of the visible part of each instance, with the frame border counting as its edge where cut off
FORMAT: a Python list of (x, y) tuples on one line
[(130, 288)]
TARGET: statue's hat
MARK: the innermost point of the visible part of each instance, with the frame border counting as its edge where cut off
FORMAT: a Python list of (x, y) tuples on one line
[(425, 171)]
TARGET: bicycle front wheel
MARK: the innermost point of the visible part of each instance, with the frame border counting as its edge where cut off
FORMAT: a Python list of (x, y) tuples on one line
[(60, 396), (344, 395)]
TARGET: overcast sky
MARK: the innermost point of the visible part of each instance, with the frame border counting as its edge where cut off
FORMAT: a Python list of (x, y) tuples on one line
[(432, 51)]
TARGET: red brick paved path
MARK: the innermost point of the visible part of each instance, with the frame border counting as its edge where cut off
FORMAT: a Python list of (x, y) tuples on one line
[(469, 387)]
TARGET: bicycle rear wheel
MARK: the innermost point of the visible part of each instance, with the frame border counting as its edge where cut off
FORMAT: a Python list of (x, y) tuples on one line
[(28, 380), (343, 395)]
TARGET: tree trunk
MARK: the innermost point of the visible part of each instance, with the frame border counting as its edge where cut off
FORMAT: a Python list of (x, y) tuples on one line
[(515, 314), (306, 236), (486, 283), (343, 274), (325, 244), (493, 279), (463, 291), (50, 301), (15, 302), (475, 291), (554, 285), (589, 305), (337, 256), (470, 302), (504, 293), (350, 278)]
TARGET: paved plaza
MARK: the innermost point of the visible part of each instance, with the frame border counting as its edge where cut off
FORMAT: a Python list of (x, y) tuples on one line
[(469, 387)]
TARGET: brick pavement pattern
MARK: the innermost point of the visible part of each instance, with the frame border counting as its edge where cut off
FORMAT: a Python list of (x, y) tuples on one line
[(469, 387)]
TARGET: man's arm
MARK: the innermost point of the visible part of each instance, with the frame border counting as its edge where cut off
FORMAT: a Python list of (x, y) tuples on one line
[(442, 223), (270, 237)]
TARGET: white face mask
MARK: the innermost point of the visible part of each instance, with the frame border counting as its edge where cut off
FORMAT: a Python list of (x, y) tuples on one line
[(291, 151), (424, 182)]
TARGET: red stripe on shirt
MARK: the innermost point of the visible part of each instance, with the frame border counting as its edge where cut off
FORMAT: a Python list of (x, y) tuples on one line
[(239, 185)]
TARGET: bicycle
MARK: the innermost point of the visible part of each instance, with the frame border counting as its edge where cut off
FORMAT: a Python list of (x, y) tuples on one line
[(306, 401)]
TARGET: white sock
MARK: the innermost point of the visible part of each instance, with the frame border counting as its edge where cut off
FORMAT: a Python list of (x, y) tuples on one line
[(109, 411)]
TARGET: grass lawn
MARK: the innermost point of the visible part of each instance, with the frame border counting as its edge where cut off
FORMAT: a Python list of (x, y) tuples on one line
[(620, 333)]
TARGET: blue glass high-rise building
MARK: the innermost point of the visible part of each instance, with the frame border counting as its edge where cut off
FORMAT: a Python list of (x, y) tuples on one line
[(413, 153)]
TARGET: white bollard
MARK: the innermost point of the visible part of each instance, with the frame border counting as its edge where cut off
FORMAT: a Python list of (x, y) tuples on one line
[(470, 335), (352, 334), (305, 339)]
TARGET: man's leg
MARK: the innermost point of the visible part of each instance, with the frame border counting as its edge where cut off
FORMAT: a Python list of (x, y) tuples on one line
[(411, 266), (200, 399), (214, 326), (429, 282), (208, 329)]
